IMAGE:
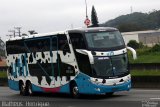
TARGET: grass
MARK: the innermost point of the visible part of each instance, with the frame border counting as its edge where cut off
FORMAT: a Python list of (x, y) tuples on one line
[(144, 56), (3, 74), (150, 58), (145, 73)]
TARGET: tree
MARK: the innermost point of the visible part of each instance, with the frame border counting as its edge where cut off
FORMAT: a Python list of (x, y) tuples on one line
[(128, 27), (155, 48), (24, 34), (94, 18), (134, 44), (31, 32), (136, 21), (2, 48)]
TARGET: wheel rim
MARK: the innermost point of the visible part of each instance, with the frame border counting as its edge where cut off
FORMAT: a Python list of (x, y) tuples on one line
[(30, 89), (75, 90), (22, 89)]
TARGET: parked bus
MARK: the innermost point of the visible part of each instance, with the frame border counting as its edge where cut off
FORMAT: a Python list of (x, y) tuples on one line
[(79, 61)]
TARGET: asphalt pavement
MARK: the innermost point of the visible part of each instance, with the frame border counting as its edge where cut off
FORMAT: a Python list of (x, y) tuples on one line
[(132, 98)]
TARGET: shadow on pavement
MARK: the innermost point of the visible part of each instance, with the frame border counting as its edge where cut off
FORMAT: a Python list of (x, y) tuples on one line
[(67, 96)]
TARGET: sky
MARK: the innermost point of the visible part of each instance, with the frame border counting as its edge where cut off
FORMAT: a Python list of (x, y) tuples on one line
[(57, 15)]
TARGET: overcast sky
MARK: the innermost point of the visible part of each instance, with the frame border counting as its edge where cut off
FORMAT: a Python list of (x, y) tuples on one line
[(56, 15)]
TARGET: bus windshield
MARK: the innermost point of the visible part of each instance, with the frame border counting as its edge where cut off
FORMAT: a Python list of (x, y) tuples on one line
[(104, 40), (110, 66)]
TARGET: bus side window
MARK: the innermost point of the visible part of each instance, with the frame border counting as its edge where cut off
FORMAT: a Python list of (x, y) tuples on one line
[(38, 45), (15, 47), (77, 41), (54, 44), (63, 43)]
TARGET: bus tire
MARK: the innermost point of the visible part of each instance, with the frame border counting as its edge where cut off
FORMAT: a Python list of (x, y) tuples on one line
[(21, 88), (74, 90), (28, 88)]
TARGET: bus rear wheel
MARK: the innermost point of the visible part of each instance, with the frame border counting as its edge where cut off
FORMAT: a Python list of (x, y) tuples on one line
[(22, 88), (28, 89)]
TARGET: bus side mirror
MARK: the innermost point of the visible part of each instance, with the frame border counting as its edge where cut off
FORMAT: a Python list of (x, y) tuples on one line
[(133, 52), (85, 52)]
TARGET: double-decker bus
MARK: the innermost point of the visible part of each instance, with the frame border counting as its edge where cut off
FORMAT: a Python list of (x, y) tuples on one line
[(78, 61)]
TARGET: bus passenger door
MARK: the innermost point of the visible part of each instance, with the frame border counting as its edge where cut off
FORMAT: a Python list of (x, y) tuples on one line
[(65, 61)]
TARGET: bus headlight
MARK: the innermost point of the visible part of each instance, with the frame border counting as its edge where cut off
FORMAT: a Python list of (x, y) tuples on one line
[(94, 81), (97, 89), (129, 86)]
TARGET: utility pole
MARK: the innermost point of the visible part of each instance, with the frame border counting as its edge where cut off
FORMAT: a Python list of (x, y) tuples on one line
[(87, 21), (9, 36), (19, 30), (13, 31), (86, 9)]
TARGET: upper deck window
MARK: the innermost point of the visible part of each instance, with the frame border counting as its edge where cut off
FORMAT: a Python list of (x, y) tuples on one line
[(105, 40), (77, 41)]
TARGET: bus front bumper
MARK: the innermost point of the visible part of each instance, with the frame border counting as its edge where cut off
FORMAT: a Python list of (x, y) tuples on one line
[(101, 89)]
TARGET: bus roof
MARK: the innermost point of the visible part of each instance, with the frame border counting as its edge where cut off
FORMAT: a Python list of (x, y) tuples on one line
[(78, 30), (93, 29)]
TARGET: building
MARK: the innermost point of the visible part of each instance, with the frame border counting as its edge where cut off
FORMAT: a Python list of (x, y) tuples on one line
[(2, 56), (149, 37), (2, 62)]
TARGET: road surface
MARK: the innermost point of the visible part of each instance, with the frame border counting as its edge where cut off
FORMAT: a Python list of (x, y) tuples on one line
[(133, 98)]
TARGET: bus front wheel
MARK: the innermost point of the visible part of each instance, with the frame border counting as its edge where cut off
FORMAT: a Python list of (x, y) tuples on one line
[(74, 90)]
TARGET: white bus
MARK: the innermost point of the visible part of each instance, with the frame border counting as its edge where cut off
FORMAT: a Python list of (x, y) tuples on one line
[(79, 61)]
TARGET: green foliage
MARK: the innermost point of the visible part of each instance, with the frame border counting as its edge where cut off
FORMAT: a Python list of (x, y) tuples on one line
[(126, 27), (31, 32), (134, 44), (2, 53), (146, 58), (146, 55), (145, 73), (94, 18), (141, 45), (155, 48), (135, 21), (3, 74), (2, 49)]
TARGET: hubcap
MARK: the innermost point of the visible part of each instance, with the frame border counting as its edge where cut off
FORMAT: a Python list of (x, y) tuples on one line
[(22, 89), (75, 90), (30, 90)]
